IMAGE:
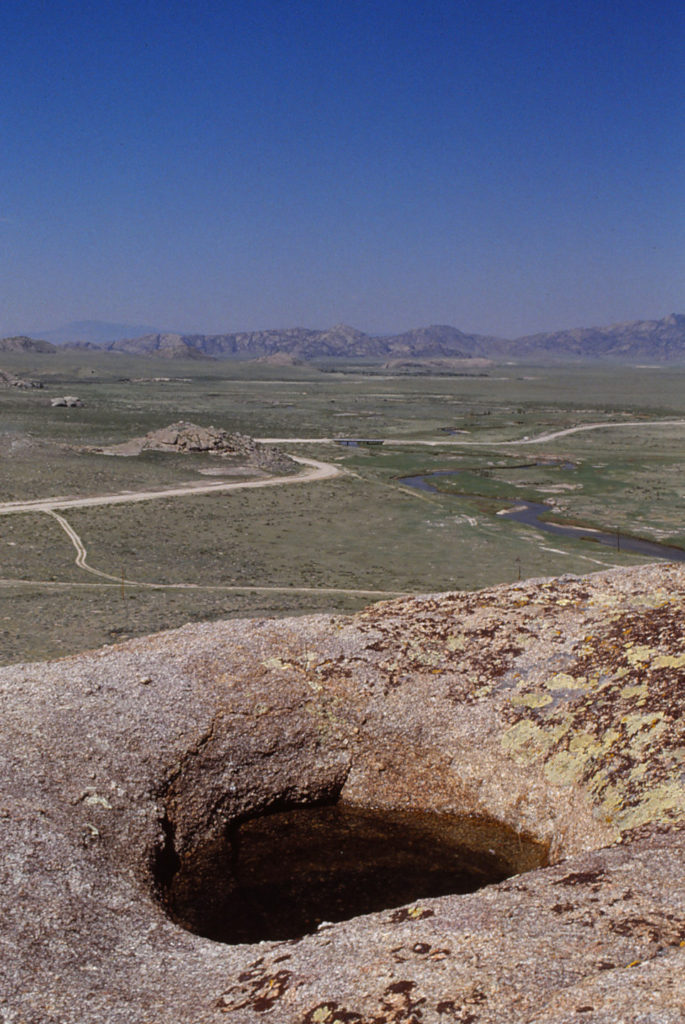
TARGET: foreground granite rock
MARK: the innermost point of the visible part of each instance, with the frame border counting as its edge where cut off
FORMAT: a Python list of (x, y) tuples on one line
[(551, 711)]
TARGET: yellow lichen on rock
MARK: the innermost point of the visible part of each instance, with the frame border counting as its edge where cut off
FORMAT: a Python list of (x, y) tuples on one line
[(531, 700), (526, 741), (638, 654), (582, 742), (669, 661), (644, 726), (639, 690), (563, 681), (661, 803), (564, 769)]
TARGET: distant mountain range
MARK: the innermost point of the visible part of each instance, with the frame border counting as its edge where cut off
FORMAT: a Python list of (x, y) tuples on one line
[(639, 340), (661, 340), (304, 343)]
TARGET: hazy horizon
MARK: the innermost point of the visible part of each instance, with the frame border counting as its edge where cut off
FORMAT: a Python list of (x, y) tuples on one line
[(101, 332), (219, 168)]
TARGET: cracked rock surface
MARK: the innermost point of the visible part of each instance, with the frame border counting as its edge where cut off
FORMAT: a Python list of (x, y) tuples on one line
[(553, 708)]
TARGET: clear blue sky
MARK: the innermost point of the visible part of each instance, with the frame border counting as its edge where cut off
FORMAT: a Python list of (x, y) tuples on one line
[(207, 165)]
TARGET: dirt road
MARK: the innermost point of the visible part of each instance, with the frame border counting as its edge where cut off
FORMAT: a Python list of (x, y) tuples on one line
[(316, 471), (451, 442)]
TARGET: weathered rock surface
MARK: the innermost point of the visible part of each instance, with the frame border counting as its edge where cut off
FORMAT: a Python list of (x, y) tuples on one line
[(552, 707)]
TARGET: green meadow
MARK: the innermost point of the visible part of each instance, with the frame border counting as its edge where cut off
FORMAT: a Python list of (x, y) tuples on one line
[(326, 546)]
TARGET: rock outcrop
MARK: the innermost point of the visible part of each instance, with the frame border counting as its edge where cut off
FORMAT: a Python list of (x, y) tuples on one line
[(9, 380), (22, 343), (185, 438), (538, 728), (456, 367), (66, 401), (165, 346)]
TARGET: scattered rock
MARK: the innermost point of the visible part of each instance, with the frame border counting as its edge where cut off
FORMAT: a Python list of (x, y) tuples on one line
[(8, 380), (551, 709), (188, 437), (279, 359), (70, 401), (440, 367)]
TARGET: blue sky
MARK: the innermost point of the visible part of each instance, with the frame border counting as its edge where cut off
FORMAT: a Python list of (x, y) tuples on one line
[(215, 166)]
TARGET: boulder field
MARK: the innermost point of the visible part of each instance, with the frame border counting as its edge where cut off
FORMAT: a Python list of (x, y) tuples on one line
[(451, 808)]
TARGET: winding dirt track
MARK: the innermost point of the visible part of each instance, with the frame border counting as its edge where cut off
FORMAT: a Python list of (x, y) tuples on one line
[(81, 552), (452, 442), (316, 471)]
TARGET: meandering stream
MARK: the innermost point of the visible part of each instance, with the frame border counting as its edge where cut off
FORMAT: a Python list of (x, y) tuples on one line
[(530, 513)]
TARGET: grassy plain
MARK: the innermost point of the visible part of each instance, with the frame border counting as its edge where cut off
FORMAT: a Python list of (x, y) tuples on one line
[(197, 557)]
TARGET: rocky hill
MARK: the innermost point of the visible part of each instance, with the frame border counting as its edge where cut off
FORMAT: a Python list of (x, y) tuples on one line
[(440, 340), (166, 346), (450, 808), (653, 340), (21, 343), (185, 438)]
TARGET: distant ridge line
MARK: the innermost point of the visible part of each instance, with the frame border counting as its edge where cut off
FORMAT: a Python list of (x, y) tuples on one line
[(654, 340)]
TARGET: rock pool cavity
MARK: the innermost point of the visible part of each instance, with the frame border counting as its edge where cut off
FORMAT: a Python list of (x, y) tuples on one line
[(279, 876)]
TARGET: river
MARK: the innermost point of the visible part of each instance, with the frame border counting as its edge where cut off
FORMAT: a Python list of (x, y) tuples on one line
[(530, 512)]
